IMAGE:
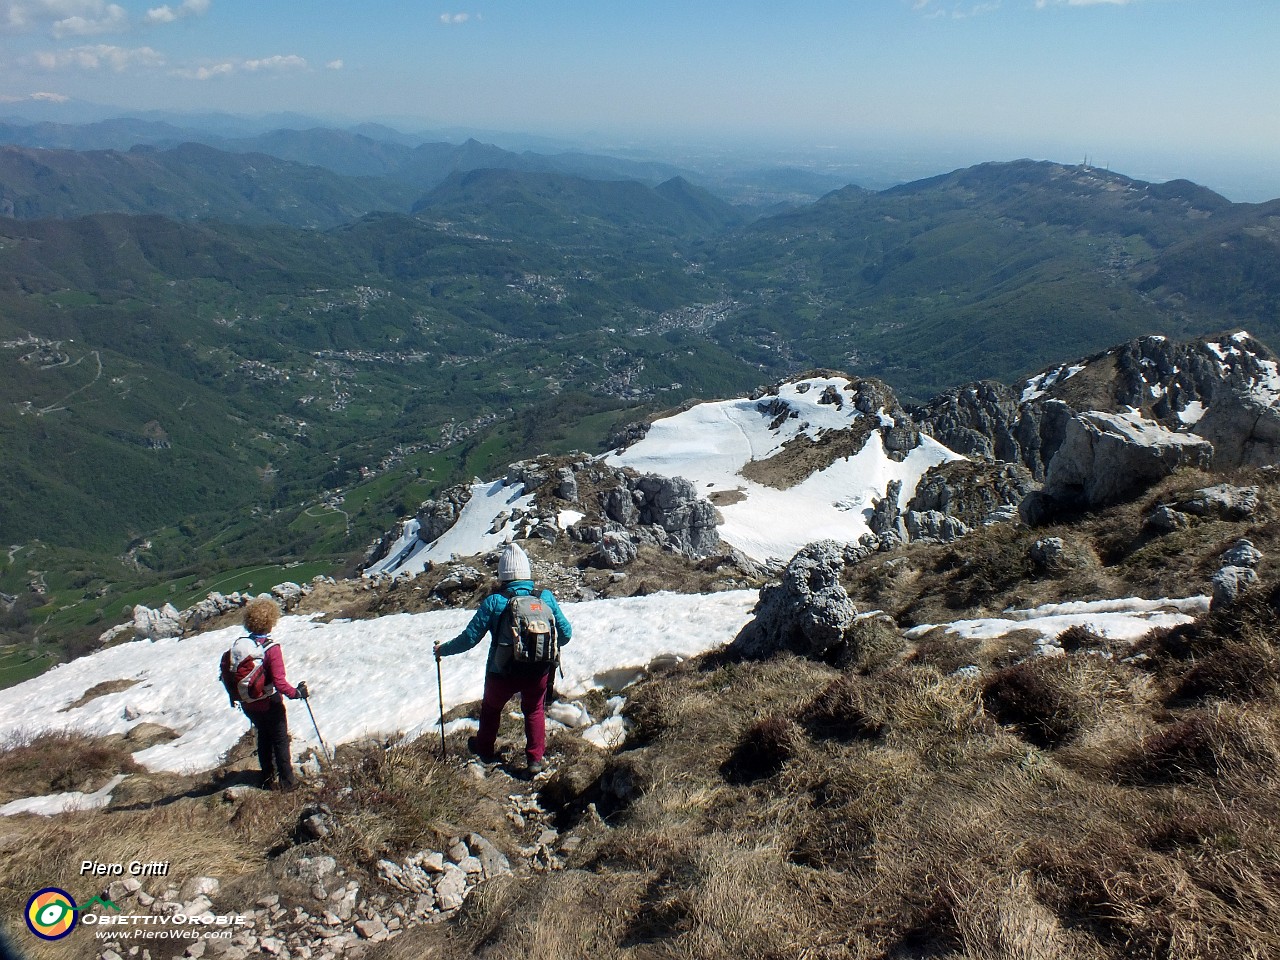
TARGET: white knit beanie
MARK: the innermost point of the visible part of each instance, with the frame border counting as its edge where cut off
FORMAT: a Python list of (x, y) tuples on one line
[(514, 564)]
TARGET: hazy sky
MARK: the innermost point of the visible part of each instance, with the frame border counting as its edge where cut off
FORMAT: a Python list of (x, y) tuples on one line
[(1180, 82)]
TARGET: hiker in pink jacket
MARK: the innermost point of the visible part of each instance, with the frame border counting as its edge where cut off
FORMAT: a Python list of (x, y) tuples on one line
[(265, 705)]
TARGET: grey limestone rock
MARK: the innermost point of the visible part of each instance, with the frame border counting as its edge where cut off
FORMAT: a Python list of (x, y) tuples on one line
[(934, 526), (1107, 458), (1229, 582), (436, 517), (615, 550), (158, 624), (807, 613), (673, 504), (1165, 519), (531, 473), (1222, 502), (971, 491), (1049, 553), (886, 516), (566, 484), (1242, 553)]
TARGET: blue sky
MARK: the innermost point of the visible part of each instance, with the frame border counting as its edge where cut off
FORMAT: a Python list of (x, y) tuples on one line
[(1168, 86)]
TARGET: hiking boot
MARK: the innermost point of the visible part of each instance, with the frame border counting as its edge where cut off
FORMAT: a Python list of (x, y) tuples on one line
[(481, 755), (534, 767)]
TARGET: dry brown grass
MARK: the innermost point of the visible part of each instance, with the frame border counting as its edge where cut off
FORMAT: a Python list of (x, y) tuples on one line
[(32, 766), (1110, 553), (196, 838), (100, 690), (1059, 808), (391, 798)]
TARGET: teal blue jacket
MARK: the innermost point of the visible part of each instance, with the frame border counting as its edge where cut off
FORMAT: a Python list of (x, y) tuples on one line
[(490, 612)]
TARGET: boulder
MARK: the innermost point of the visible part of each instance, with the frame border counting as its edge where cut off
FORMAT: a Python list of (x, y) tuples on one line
[(1242, 553), (1049, 553), (934, 526), (807, 613), (288, 594), (615, 550), (1228, 583), (1165, 519), (1107, 458), (1222, 502), (157, 624), (436, 517), (566, 484)]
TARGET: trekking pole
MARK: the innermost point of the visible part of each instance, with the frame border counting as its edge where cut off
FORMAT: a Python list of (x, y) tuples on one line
[(328, 756), (444, 750)]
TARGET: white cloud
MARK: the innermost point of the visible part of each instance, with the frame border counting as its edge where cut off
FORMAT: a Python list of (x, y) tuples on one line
[(99, 57), (334, 65), (290, 62), (955, 9), (208, 73), (79, 18), (453, 19), (167, 14), (1041, 4), (95, 18), (42, 96), (276, 64), (63, 18)]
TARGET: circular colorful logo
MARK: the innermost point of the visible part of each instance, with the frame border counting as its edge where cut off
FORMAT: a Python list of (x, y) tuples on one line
[(51, 914)]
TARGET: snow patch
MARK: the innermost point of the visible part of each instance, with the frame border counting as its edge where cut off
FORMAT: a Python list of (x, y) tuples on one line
[(1192, 413), (367, 677), (1038, 385), (567, 518), (1124, 619), (472, 533), (55, 803), (711, 443)]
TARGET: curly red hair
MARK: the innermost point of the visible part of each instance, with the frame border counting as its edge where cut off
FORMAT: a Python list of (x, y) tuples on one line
[(261, 615)]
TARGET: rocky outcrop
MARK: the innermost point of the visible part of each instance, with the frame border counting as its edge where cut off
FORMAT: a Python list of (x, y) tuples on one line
[(961, 495), (1223, 389), (1107, 458), (987, 420), (436, 517), (666, 511), (1237, 573), (934, 526), (886, 516), (808, 612), (160, 624)]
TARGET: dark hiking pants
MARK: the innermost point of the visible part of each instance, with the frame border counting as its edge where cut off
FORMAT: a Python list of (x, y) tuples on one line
[(273, 745), (498, 689)]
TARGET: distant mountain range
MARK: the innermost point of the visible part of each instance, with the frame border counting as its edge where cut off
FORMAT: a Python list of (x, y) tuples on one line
[(371, 150)]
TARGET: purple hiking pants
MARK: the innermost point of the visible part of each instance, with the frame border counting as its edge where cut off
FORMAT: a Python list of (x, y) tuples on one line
[(498, 689)]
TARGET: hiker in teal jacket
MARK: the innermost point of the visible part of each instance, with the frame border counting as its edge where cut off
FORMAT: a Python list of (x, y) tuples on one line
[(504, 679)]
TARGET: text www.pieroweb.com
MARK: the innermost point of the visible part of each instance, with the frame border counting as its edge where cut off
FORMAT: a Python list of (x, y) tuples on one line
[(142, 933)]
